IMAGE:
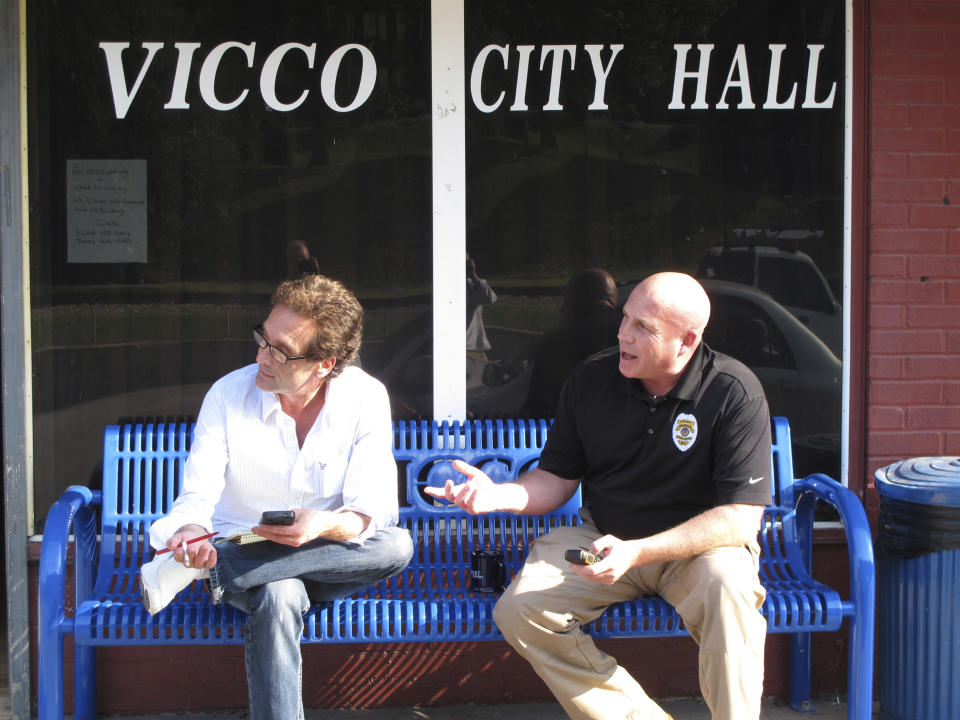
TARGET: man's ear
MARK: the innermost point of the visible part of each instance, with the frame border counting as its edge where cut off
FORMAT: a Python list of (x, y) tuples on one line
[(325, 366), (689, 342)]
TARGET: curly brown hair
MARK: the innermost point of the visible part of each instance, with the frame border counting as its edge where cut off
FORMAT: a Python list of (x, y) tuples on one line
[(335, 310)]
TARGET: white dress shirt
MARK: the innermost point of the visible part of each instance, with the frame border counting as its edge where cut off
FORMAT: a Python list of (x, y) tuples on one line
[(245, 458)]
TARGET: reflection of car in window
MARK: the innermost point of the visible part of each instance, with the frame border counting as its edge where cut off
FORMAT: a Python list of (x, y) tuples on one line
[(799, 373), (789, 276)]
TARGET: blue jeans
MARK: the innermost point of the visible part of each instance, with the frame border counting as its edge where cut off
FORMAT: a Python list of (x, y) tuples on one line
[(276, 584)]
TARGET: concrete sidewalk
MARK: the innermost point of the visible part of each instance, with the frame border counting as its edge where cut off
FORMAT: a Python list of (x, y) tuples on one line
[(680, 708)]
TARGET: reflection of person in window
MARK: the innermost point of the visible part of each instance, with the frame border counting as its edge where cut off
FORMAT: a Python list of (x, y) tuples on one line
[(588, 324), (479, 293), (299, 261)]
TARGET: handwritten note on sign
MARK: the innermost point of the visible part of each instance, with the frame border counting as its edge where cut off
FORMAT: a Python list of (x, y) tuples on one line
[(107, 211)]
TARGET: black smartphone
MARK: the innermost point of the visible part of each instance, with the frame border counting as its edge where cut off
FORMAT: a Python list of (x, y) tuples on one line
[(278, 517), (581, 556)]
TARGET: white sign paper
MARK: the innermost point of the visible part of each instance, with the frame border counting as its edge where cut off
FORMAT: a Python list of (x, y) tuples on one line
[(106, 211)]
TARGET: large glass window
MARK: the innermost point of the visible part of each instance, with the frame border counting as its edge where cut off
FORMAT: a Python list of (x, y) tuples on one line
[(610, 140), (184, 158)]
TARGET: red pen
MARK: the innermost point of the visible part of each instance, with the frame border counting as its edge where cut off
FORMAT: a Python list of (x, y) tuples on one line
[(189, 542)]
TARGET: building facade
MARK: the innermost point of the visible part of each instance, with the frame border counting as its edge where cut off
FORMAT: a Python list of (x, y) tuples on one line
[(468, 168)]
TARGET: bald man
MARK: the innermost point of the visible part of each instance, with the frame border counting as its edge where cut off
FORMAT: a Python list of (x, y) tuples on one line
[(670, 441)]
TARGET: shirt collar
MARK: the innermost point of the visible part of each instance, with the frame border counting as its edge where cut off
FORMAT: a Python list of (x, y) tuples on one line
[(270, 402), (686, 387)]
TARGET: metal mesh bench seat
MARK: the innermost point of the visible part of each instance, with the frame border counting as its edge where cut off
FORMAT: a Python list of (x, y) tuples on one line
[(430, 600)]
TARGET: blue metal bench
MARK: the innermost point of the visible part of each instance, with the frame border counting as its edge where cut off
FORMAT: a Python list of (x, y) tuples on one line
[(430, 601)]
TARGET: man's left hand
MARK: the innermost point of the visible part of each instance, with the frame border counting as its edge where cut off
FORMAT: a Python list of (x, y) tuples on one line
[(618, 557)]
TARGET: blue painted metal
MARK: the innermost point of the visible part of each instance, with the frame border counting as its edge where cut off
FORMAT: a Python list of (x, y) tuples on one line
[(919, 599), (430, 600)]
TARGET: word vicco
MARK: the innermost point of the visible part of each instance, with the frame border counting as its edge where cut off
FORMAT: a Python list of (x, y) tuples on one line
[(123, 97)]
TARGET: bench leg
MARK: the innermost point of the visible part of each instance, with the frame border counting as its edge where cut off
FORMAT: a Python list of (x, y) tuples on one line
[(860, 658), (49, 675), (85, 683), (800, 673)]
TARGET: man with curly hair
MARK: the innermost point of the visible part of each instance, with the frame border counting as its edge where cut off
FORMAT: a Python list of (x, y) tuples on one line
[(302, 430)]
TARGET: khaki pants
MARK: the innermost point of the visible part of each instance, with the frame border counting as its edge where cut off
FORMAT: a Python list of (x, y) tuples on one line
[(718, 595)]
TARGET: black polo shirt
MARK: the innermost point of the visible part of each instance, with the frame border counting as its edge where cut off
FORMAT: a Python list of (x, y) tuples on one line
[(650, 464)]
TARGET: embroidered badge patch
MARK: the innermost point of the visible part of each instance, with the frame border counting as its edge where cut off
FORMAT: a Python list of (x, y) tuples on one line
[(684, 431)]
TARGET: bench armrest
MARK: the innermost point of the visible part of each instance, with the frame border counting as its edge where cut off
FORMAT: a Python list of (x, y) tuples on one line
[(74, 512), (817, 488)]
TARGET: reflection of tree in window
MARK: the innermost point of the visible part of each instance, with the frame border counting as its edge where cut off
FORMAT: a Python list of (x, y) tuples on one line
[(794, 284), (742, 330)]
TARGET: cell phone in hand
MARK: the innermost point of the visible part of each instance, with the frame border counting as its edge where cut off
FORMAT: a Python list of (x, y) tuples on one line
[(278, 517), (581, 556)]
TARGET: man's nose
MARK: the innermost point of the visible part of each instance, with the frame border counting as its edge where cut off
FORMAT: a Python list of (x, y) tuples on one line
[(264, 356)]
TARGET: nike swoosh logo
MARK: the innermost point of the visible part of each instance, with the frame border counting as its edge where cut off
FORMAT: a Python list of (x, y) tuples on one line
[(754, 481)]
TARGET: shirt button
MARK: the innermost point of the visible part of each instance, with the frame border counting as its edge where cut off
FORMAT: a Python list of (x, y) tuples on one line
[(653, 409), (649, 431)]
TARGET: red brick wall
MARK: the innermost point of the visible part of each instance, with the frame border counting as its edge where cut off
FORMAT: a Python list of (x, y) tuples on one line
[(913, 231)]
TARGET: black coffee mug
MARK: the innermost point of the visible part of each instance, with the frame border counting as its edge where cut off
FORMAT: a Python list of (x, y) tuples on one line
[(488, 571)]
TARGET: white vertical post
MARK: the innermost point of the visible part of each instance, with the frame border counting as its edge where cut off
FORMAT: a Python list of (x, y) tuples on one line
[(847, 243), (449, 210)]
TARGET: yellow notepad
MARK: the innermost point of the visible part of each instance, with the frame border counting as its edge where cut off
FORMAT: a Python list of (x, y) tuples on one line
[(243, 538)]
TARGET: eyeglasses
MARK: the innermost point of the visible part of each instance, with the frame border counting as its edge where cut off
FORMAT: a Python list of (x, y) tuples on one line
[(276, 353)]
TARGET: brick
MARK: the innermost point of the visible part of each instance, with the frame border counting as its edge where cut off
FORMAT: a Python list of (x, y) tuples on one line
[(888, 266), (903, 291), (952, 292), (887, 215), (884, 418), (908, 191), (908, 40), (951, 443), (887, 316), (934, 367), (933, 116), (887, 368), (953, 92), (933, 418), (950, 40), (929, 67), (953, 189), (906, 393), (891, 66), (903, 444), (951, 393), (953, 140), (907, 341), (938, 13), (934, 266), (933, 317), (909, 140), (932, 165), (934, 216), (905, 92), (884, 164), (890, 116), (915, 14), (908, 241)]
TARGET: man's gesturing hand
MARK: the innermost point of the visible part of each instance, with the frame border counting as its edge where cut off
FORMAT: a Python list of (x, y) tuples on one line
[(477, 495)]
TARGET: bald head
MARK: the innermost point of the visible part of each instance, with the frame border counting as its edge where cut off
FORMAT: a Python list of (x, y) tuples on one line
[(680, 299)]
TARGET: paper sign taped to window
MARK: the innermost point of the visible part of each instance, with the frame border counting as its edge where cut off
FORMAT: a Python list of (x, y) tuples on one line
[(106, 211)]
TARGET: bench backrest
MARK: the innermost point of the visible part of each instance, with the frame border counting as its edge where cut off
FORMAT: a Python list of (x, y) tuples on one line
[(143, 465)]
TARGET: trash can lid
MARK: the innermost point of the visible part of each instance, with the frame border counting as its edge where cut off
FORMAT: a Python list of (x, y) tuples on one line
[(924, 480)]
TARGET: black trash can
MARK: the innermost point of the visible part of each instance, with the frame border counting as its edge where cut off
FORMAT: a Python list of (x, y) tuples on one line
[(918, 552)]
